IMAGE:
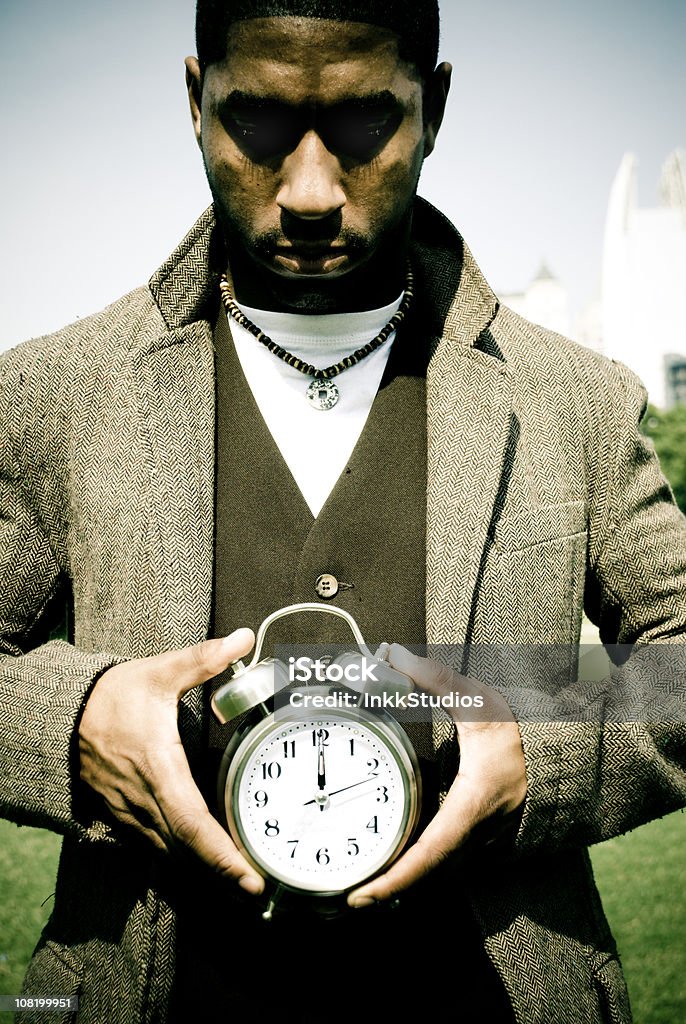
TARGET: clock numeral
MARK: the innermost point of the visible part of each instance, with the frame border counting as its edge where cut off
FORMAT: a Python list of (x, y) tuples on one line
[(289, 748), (271, 770), (353, 848), (261, 798), (271, 828), (323, 856), (352, 748), (373, 765), (323, 733), (294, 844), (373, 825), (383, 799)]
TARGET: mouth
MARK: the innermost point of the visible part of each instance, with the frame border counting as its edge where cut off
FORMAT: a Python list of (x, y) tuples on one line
[(310, 260)]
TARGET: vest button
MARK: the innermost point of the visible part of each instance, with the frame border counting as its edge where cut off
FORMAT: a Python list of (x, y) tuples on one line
[(327, 586)]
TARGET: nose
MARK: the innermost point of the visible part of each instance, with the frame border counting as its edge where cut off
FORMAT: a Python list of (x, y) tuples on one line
[(310, 187)]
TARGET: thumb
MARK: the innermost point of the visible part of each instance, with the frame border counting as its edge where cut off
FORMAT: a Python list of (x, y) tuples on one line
[(478, 702), (430, 675), (191, 666)]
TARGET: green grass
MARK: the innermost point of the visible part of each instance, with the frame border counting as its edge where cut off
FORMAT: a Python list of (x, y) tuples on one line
[(641, 876), (28, 865), (642, 879)]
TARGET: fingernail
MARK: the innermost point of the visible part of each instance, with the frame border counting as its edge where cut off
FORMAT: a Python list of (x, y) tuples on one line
[(402, 659), (243, 633), (358, 902), (251, 884), (382, 653)]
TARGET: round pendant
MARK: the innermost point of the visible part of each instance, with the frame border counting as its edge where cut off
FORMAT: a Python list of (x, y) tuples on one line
[(322, 394)]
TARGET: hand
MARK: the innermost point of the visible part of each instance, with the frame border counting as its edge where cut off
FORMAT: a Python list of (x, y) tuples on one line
[(321, 765), (353, 785), (131, 752), (490, 785)]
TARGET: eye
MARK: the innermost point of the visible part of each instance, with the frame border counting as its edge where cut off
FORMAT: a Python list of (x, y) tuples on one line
[(262, 134), (359, 134)]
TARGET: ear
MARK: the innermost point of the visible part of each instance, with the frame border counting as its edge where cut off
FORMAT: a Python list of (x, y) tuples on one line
[(435, 97), (194, 87)]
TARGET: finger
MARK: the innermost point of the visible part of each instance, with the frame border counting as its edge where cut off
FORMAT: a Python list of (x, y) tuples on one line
[(477, 702), (430, 675), (191, 824), (190, 666), (137, 806), (444, 834), (125, 816)]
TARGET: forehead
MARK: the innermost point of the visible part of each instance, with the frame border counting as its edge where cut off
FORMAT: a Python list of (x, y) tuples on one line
[(308, 60)]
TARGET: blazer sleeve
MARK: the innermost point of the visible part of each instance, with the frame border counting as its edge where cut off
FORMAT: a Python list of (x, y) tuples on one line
[(604, 757), (43, 688)]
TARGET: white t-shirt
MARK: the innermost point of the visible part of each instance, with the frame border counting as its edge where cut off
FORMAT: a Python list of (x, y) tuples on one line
[(316, 445)]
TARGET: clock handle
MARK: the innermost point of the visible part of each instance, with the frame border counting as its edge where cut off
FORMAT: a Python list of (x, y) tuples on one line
[(293, 609), (252, 684)]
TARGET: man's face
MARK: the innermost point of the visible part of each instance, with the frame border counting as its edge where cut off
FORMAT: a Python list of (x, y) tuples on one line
[(313, 138)]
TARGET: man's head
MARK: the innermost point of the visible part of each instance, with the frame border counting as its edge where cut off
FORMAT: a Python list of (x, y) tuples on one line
[(415, 22), (313, 128)]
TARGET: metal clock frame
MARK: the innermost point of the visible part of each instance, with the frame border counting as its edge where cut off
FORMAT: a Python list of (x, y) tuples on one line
[(252, 734)]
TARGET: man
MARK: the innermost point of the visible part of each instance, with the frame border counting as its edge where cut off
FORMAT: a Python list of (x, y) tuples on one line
[(469, 478)]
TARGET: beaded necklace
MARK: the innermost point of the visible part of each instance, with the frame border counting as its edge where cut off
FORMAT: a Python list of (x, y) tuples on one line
[(321, 393)]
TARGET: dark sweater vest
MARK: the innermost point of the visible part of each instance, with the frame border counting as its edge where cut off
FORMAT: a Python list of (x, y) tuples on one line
[(367, 965)]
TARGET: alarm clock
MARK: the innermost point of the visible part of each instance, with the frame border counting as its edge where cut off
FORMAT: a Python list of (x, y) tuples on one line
[(323, 791)]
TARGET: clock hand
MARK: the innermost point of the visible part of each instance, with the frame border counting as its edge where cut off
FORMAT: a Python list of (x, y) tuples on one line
[(333, 793), (321, 768)]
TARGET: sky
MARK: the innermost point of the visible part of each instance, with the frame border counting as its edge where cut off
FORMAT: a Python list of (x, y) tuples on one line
[(101, 176)]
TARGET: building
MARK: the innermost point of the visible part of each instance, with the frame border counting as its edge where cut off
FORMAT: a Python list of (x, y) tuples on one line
[(644, 280), (675, 380), (588, 327), (544, 302)]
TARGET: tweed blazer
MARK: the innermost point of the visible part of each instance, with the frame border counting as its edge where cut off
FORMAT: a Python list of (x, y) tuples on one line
[(542, 496)]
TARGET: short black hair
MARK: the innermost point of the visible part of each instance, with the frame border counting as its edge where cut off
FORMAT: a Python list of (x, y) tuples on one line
[(416, 22)]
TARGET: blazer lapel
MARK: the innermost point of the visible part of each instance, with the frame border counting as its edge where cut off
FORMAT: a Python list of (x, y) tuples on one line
[(469, 419), (175, 381), (469, 400)]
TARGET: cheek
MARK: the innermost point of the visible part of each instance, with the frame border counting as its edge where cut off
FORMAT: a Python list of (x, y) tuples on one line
[(245, 189), (385, 187)]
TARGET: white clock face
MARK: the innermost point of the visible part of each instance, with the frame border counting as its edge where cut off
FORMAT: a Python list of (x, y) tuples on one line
[(322, 803)]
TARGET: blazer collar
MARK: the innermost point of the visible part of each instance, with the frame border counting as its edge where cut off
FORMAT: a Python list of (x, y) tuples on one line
[(185, 288), (458, 301)]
